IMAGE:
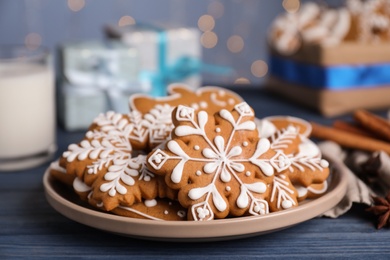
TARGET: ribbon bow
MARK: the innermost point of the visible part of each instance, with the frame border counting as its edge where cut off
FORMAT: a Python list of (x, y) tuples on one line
[(181, 69)]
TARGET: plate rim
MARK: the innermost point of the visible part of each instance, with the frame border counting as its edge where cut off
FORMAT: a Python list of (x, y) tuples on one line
[(183, 231)]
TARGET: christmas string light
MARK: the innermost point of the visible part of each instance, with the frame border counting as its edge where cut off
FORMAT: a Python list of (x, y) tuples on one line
[(259, 68), (76, 5), (126, 20), (235, 44)]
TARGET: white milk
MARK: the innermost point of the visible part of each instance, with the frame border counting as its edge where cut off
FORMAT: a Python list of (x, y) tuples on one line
[(27, 110)]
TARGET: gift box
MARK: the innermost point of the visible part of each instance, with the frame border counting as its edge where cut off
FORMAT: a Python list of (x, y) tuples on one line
[(166, 54), (334, 79), (96, 76)]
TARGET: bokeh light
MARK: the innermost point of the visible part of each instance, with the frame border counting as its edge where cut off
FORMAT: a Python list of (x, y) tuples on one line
[(76, 5), (33, 41), (126, 20), (235, 43), (242, 81), (216, 9), (291, 6), (259, 68), (209, 40), (206, 23)]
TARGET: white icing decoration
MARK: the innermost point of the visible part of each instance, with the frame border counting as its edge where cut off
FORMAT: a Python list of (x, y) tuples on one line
[(56, 166), (80, 186), (221, 158), (324, 163), (302, 191), (139, 213), (286, 204), (228, 188), (203, 104), (155, 125), (198, 173), (218, 130), (244, 110), (177, 172), (110, 149), (313, 164), (245, 144), (150, 203), (308, 149), (320, 191), (195, 106), (202, 213), (282, 193), (266, 128), (263, 146), (166, 212), (181, 213), (184, 113), (243, 199), (248, 173), (283, 138), (231, 101), (140, 129), (159, 123), (196, 147), (124, 170), (215, 100), (218, 201)]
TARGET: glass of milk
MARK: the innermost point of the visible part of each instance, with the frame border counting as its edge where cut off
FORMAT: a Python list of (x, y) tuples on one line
[(27, 107)]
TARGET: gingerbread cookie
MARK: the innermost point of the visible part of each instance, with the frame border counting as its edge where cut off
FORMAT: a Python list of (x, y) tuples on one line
[(300, 156), (154, 209), (209, 99), (372, 20), (104, 162), (285, 33), (156, 112), (286, 140), (128, 182), (330, 28), (59, 173), (272, 123), (219, 164), (312, 191), (283, 194)]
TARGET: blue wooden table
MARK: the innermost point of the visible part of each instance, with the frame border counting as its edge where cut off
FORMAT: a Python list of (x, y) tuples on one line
[(31, 228)]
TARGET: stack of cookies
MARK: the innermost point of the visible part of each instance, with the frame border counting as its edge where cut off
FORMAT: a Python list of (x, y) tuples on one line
[(362, 21), (193, 156)]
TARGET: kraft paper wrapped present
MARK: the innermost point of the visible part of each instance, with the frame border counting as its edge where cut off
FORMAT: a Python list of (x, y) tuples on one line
[(334, 79), (166, 55), (96, 76)]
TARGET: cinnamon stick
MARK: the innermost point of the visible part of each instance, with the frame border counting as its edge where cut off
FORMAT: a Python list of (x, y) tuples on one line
[(374, 123), (352, 128), (349, 140)]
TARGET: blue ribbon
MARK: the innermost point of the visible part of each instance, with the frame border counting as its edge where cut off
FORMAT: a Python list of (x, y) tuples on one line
[(181, 69), (337, 77)]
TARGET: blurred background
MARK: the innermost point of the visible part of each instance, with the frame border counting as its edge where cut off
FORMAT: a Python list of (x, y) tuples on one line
[(232, 32)]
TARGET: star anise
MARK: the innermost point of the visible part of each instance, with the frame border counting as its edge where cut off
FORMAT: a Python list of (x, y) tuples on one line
[(381, 208)]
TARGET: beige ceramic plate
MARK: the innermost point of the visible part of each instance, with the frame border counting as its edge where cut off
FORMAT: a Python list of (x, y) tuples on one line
[(68, 205)]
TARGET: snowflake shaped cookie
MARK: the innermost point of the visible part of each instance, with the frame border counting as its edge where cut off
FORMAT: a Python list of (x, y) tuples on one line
[(104, 162), (155, 123), (218, 163), (300, 158)]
